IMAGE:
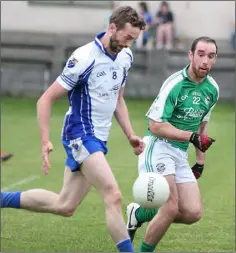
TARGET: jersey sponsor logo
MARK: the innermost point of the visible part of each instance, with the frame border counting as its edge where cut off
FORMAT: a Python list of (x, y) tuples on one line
[(102, 73), (111, 95), (160, 167), (191, 113), (115, 87), (72, 62)]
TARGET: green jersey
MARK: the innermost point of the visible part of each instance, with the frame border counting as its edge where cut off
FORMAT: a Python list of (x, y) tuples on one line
[(184, 104)]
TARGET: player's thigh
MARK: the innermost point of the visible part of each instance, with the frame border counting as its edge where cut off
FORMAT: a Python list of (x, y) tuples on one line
[(188, 189), (190, 204), (98, 172), (75, 187), (170, 207), (88, 156), (156, 157), (174, 198)]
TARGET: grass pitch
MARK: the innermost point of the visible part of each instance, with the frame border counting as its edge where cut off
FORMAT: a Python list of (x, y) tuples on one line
[(85, 231)]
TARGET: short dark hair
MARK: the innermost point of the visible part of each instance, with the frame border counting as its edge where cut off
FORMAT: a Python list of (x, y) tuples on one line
[(144, 6), (205, 39), (126, 14), (164, 4)]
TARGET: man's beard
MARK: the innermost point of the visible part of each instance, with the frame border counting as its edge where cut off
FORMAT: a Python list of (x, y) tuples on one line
[(200, 73), (114, 45)]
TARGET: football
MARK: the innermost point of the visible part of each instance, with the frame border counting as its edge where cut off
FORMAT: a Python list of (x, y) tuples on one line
[(151, 190)]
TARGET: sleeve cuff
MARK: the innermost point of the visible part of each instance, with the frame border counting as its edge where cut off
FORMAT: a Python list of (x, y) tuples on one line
[(63, 84), (155, 119)]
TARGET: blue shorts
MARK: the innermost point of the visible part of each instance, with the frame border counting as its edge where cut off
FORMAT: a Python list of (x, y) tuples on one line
[(78, 150)]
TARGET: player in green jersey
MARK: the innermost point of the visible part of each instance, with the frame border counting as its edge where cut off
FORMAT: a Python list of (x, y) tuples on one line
[(178, 116)]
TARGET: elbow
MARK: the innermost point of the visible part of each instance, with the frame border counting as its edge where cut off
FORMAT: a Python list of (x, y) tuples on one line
[(155, 127), (151, 127)]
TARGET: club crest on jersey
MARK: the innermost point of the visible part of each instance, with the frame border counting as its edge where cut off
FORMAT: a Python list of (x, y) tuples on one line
[(72, 63), (207, 100)]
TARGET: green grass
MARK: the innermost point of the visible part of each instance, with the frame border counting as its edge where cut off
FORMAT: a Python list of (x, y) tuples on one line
[(86, 231)]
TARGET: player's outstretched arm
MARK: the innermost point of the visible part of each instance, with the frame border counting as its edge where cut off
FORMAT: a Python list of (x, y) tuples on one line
[(122, 117), (44, 104), (168, 131), (54, 92)]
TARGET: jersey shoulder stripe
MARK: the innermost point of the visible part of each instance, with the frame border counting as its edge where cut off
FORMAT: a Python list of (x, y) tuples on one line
[(171, 82), (171, 78), (214, 83)]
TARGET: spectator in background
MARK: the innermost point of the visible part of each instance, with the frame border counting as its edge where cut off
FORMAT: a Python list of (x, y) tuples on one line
[(144, 35), (164, 32)]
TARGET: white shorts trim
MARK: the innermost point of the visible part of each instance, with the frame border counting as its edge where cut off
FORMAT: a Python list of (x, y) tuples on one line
[(161, 157)]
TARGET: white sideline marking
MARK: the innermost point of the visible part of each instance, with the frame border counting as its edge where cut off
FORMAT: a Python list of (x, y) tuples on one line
[(21, 182)]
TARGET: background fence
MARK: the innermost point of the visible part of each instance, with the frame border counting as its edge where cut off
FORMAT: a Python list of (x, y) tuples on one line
[(32, 61)]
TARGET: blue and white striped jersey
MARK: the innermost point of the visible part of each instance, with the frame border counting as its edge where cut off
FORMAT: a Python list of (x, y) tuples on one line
[(93, 79)]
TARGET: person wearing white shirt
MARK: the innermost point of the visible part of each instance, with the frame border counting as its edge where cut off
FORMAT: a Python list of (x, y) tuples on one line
[(94, 79)]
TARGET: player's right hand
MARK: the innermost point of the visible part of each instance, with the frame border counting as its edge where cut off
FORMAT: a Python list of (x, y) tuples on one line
[(47, 147), (202, 142)]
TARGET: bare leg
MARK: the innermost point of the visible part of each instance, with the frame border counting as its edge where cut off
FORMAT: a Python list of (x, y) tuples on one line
[(169, 36), (97, 171), (75, 188), (160, 36), (165, 216), (190, 206)]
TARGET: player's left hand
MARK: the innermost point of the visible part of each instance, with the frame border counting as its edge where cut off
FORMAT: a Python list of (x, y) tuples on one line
[(137, 143), (202, 142), (197, 170)]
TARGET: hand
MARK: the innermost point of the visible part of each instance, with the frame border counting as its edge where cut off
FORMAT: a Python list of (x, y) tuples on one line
[(197, 170), (202, 142), (137, 143), (47, 147)]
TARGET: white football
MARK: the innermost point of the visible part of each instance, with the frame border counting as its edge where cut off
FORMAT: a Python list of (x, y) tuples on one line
[(151, 190)]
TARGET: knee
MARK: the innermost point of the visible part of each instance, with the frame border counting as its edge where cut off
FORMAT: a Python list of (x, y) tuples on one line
[(192, 216), (170, 209), (112, 196)]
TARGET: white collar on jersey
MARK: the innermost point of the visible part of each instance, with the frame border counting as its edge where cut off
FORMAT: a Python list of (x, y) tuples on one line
[(100, 45)]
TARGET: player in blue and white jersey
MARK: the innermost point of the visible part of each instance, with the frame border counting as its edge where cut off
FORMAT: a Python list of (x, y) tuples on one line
[(94, 79)]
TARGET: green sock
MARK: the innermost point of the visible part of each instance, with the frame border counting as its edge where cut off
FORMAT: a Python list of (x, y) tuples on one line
[(145, 214), (144, 247)]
